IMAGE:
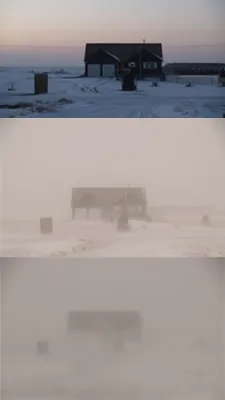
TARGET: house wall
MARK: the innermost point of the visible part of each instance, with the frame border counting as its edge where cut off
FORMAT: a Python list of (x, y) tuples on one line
[(153, 72), (103, 197), (193, 70), (146, 57), (156, 72), (197, 71), (145, 72), (101, 67), (100, 58), (195, 79)]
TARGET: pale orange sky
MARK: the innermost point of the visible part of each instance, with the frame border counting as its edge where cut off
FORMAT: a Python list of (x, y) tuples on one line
[(74, 22)]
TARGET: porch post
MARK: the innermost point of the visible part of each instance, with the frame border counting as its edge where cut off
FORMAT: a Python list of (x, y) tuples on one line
[(141, 62), (87, 212)]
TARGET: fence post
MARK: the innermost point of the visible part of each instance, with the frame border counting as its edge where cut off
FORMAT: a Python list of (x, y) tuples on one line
[(41, 83), (46, 226)]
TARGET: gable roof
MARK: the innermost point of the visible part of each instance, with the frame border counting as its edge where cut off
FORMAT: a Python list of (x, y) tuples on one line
[(144, 52), (111, 55), (123, 51)]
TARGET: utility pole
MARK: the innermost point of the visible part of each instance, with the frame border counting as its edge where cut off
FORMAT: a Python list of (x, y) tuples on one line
[(141, 70), (140, 61)]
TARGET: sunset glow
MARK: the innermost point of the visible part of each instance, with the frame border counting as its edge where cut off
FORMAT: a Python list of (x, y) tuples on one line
[(31, 28)]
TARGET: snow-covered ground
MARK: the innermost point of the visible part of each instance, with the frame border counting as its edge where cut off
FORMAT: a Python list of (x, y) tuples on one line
[(180, 165), (70, 96), (101, 239)]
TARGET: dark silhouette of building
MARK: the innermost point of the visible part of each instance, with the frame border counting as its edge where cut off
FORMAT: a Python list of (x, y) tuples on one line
[(107, 199), (193, 68), (119, 327), (111, 59)]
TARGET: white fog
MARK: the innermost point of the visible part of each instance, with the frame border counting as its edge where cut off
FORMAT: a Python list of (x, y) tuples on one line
[(179, 354), (180, 164), (143, 327)]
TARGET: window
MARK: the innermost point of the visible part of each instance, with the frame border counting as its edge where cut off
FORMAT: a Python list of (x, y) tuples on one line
[(149, 65), (131, 65)]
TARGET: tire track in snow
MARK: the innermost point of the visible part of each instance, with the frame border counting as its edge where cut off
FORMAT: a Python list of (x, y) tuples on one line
[(144, 113)]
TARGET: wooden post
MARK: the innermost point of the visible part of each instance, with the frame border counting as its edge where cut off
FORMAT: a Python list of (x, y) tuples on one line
[(73, 213), (42, 347), (46, 226), (41, 83)]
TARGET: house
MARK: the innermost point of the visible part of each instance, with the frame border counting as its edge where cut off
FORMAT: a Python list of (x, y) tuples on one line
[(111, 59), (193, 68), (108, 198), (128, 324)]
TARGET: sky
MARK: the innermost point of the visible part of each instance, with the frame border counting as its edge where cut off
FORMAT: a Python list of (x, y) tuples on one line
[(49, 32), (180, 162)]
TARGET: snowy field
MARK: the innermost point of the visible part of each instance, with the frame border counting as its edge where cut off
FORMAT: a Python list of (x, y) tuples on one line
[(70, 239), (179, 170), (178, 356), (73, 97)]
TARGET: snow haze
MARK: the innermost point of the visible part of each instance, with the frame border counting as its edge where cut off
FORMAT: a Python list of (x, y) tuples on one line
[(180, 162), (179, 355)]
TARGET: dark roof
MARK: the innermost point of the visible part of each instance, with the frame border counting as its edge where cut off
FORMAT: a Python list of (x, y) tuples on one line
[(123, 51)]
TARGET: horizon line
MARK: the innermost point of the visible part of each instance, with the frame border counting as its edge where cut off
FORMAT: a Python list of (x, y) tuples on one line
[(79, 46)]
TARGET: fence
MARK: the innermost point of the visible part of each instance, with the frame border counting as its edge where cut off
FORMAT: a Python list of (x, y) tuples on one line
[(198, 80)]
